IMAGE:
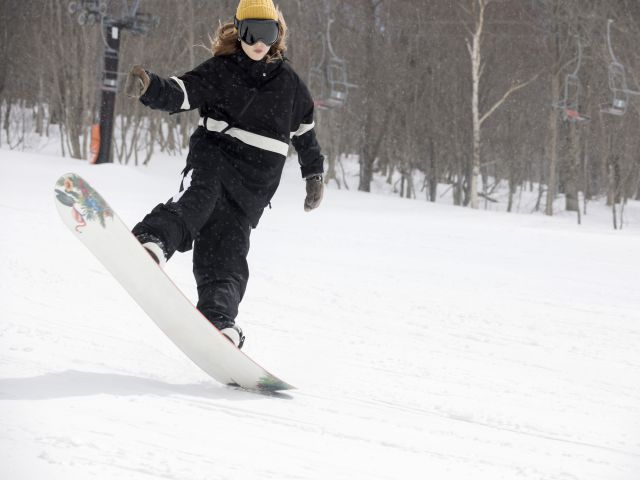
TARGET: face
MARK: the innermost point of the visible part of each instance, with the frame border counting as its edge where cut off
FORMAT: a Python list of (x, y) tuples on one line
[(255, 52)]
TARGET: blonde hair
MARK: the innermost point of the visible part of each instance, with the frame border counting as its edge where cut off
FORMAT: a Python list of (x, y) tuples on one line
[(226, 41)]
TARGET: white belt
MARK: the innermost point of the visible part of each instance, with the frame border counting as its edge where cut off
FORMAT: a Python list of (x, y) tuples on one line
[(253, 139)]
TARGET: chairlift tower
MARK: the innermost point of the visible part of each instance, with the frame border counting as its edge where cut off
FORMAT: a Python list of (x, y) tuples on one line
[(93, 12)]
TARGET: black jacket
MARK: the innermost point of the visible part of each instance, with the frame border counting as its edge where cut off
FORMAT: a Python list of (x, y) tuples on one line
[(265, 101)]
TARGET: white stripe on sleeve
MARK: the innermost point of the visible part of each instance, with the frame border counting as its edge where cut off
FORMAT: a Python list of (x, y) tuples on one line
[(185, 105), (304, 128), (184, 186)]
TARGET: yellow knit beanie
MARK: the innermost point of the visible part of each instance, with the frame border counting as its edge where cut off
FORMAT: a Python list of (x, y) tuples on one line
[(257, 9)]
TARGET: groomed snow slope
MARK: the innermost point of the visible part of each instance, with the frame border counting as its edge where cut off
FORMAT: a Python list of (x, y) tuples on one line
[(426, 341)]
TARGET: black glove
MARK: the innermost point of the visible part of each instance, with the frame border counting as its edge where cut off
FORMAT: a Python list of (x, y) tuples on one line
[(315, 190), (137, 82)]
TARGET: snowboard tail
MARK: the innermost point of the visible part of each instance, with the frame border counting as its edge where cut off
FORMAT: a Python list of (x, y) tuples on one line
[(90, 218)]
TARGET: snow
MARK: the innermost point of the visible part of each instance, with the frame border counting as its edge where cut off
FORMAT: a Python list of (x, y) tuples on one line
[(424, 339)]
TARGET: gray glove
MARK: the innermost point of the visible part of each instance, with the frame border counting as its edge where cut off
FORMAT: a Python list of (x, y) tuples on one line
[(137, 82), (315, 190)]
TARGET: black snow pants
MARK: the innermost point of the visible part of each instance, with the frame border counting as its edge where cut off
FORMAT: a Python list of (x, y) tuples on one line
[(205, 216)]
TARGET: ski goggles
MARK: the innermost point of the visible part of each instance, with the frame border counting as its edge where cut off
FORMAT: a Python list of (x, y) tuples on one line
[(252, 31)]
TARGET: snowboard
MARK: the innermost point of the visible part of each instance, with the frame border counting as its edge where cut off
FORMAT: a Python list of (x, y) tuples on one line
[(96, 225)]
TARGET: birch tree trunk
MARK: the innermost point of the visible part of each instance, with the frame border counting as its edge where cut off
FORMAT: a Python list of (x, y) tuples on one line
[(476, 66), (474, 46)]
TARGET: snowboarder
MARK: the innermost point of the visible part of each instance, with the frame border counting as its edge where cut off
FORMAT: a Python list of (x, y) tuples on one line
[(251, 104)]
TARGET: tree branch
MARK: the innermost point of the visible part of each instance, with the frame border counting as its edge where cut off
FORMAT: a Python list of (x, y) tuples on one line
[(511, 91)]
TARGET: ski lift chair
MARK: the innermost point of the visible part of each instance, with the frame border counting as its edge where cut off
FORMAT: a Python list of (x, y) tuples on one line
[(338, 86), (617, 83), (331, 85), (317, 86), (620, 90), (618, 106), (570, 103), (330, 76)]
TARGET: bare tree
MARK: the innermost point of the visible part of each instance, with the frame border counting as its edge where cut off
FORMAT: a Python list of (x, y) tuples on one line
[(478, 12)]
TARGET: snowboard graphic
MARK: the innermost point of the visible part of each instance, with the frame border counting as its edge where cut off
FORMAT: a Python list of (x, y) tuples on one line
[(96, 225)]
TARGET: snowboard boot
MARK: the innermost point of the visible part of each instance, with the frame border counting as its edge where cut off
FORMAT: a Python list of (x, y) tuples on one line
[(229, 329), (154, 246), (234, 334)]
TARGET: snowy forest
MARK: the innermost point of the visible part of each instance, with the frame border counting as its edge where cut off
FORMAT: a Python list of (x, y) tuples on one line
[(463, 95)]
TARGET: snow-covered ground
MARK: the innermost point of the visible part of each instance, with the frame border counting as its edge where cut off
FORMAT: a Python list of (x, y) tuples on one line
[(425, 340)]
